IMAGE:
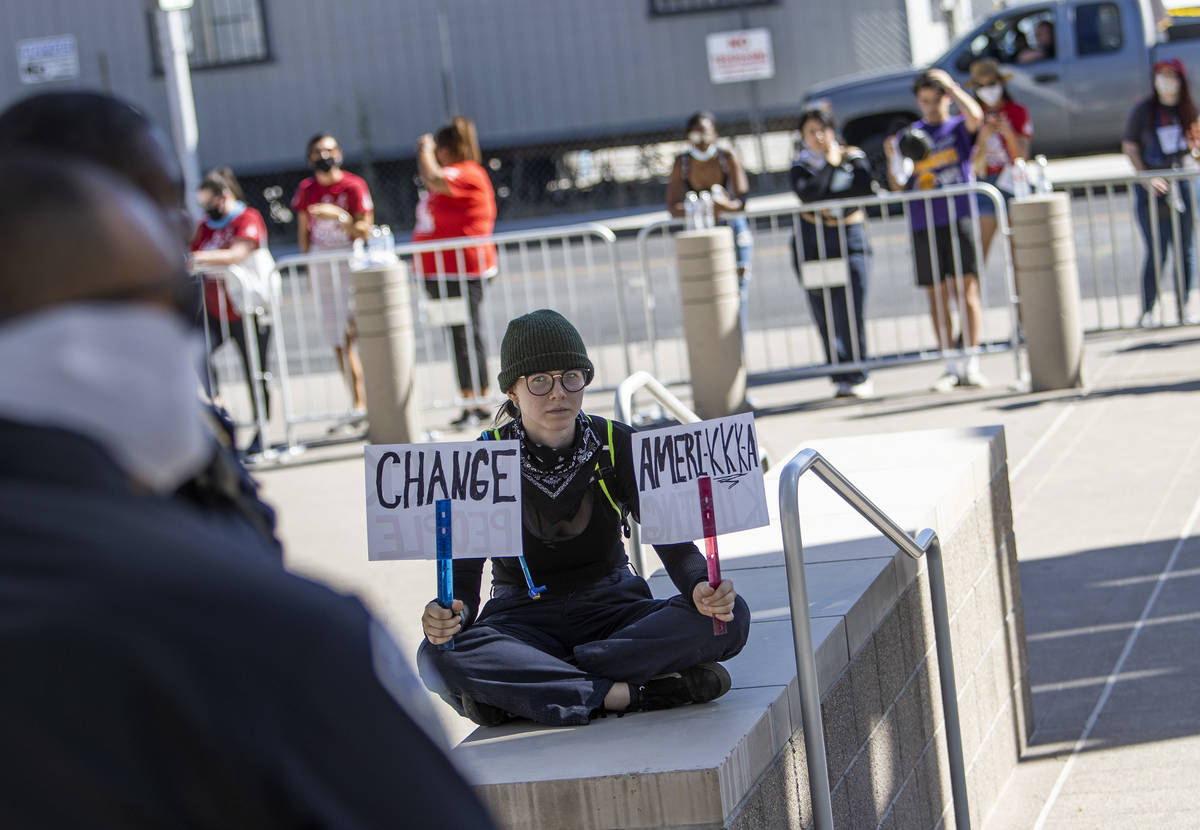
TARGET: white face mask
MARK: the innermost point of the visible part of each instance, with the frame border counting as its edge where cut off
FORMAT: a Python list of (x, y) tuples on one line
[(1167, 87), (990, 94), (122, 375), (703, 155)]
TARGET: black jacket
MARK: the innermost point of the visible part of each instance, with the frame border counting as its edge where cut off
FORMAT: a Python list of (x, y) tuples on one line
[(162, 670), (597, 551)]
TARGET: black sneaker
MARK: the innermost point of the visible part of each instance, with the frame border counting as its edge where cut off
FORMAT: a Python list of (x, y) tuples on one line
[(469, 418), (484, 714), (699, 684)]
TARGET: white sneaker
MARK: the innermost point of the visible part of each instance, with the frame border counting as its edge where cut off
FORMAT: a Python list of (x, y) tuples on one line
[(843, 390), (973, 377), (864, 389), (945, 383), (1146, 321)]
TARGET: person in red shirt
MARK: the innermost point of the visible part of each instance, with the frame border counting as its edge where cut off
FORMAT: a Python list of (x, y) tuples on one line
[(459, 202), (334, 208), (233, 235), (1004, 136)]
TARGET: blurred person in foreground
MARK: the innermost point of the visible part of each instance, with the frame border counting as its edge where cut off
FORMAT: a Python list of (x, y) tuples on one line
[(823, 170), (1004, 136), (233, 235), (938, 251), (111, 133), (707, 167), (333, 208), (458, 202), (155, 673), (1163, 133)]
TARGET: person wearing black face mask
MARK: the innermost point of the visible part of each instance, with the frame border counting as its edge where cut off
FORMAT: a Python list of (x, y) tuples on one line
[(234, 236), (333, 208)]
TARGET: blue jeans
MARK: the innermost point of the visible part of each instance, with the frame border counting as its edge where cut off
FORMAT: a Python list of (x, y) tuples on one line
[(839, 348), (743, 245), (553, 659), (1166, 241)]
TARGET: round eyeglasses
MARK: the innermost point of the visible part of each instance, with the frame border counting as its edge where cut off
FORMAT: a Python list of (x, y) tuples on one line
[(540, 384)]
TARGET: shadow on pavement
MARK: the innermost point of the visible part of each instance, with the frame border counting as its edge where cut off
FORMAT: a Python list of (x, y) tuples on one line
[(1080, 609)]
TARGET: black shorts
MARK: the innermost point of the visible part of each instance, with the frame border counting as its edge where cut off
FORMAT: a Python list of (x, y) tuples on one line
[(945, 260)]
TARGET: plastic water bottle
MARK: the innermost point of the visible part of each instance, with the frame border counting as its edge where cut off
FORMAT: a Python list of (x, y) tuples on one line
[(708, 214), (691, 210), (1020, 179), (1044, 183)]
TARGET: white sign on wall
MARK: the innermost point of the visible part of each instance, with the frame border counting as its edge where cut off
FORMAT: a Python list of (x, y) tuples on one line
[(743, 55), (43, 59), (669, 462), (482, 480)]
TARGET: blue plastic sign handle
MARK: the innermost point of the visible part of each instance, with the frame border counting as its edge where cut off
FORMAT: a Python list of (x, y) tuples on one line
[(445, 562)]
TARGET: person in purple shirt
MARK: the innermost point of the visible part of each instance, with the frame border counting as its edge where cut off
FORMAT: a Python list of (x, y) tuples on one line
[(946, 163)]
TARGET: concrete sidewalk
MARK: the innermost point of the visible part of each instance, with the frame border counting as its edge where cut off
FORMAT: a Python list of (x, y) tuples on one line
[(1105, 486)]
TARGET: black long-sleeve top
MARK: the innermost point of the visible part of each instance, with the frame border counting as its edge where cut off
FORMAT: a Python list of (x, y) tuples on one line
[(814, 183), (566, 564)]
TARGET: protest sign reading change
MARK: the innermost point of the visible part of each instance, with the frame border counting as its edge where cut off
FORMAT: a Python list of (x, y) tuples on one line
[(667, 463), (404, 481)]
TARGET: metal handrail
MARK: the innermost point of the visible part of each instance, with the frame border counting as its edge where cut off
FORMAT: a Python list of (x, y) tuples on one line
[(624, 411), (926, 542)]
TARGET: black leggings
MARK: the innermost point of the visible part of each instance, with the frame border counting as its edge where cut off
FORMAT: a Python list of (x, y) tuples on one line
[(458, 334), (237, 331)]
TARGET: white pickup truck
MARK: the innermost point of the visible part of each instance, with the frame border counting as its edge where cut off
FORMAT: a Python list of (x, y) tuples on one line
[(1078, 96)]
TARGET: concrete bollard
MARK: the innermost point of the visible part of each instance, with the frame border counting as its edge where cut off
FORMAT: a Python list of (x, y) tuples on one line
[(383, 314), (708, 291), (1043, 244)]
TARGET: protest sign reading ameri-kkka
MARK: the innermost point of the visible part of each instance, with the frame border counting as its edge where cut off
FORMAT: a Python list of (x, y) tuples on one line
[(482, 479), (669, 462)]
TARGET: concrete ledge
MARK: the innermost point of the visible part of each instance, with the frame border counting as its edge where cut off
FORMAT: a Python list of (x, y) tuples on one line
[(739, 762)]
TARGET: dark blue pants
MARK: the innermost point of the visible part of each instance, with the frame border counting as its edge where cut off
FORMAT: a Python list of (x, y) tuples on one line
[(1166, 242), (553, 659), (839, 347)]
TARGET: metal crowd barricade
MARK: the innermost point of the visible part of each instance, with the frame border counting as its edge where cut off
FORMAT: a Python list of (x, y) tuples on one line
[(1113, 254), (312, 311), (240, 386), (573, 269), (783, 342)]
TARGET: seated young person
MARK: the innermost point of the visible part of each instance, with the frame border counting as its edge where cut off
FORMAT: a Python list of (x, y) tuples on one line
[(596, 640)]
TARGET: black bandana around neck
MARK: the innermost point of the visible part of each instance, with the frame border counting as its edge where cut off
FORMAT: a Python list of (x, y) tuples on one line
[(557, 479)]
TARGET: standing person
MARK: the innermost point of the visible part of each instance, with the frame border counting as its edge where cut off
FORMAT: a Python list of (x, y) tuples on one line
[(125, 142), (233, 235), (1004, 136), (706, 167), (459, 201), (824, 170), (595, 641), (947, 162), (1163, 133), (333, 208), (220, 691)]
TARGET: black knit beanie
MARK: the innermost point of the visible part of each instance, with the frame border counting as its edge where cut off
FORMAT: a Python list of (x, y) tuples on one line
[(538, 342)]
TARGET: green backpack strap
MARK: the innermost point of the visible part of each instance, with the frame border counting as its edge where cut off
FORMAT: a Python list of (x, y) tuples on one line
[(606, 473)]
